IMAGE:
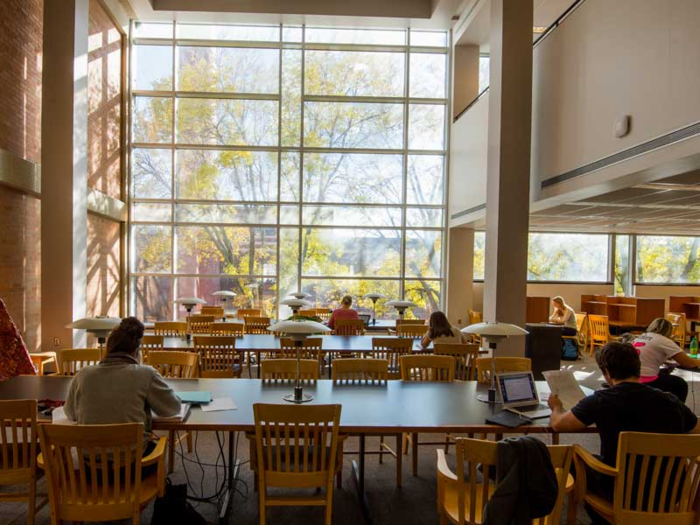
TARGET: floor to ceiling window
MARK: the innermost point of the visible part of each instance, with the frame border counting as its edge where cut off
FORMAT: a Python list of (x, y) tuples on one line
[(271, 159)]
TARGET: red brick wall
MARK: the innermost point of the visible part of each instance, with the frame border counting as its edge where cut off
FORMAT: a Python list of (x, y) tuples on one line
[(103, 266), (20, 133)]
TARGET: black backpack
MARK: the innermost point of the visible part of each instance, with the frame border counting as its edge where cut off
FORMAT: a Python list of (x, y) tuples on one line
[(174, 509)]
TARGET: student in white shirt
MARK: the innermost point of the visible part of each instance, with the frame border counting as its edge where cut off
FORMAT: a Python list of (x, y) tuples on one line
[(655, 347), (564, 315)]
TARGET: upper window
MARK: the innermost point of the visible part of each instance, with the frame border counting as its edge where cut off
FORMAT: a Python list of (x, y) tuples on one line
[(672, 260)]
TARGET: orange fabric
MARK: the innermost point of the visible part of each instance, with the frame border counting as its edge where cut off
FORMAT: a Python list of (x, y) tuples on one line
[(14, 356)]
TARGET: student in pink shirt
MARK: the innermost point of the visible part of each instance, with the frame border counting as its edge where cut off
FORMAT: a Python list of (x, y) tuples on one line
[(344, 312)]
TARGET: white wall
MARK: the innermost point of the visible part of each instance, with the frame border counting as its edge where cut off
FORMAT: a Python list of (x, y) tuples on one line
[(663, 292), (570, 292)]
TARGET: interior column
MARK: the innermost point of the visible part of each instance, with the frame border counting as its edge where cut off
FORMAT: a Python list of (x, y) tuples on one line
[(508, 184), (460, 275), (64, 172)]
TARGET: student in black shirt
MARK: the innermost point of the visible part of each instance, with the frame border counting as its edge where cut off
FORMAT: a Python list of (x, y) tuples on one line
[(627, 405)]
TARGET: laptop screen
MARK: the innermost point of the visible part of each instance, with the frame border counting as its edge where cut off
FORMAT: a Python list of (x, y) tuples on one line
[(516, 388), (366, 318)]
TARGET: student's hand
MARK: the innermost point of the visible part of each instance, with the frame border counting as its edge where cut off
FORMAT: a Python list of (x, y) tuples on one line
[(555, 403)]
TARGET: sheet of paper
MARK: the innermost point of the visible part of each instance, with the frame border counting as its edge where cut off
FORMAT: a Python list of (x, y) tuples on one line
[(58, 417), (220, 403), (563, 384), (184, 409)]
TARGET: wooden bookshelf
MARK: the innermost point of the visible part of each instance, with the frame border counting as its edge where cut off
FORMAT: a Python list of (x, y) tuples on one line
[(624, 311), (687, 304), (537, 309)]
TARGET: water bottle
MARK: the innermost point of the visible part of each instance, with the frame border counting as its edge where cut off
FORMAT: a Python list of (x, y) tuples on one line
[(694, 348)]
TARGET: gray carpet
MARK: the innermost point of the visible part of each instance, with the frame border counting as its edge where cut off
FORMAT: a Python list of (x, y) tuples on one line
[(413, 503)]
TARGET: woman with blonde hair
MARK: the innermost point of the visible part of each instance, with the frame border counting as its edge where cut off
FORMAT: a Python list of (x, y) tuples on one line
[(344, 312), (563, 315), (655, 347)]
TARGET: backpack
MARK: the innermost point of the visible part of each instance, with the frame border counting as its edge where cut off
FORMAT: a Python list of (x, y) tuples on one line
[(174, 509), (569, 350)]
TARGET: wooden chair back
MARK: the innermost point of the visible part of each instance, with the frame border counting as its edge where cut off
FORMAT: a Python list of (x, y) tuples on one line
[(414, 331), (599, 331), (420, 322), (349, 327), (311, 348), (216, 311), (391, 350), (323, 313), (218, 357), (231, 329), (257, 325), (465, 358), (98, 487), (18, 450), (360, 371), (170, 328), (174, 365), (276, 370), (242, 313), (297, 447), (73, 359), (432, 368), (679, 322), (200, 324), (475, 317), (309, 312), (503, 365), (150, 343)]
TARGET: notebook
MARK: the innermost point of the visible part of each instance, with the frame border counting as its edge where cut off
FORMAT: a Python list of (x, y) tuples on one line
[(508, 419), (180, 416), (194, 396)]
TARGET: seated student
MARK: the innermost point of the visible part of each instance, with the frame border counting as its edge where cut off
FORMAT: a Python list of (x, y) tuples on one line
[(120, 389), (564, 315), (441, 331), (627, 405), (344, 312), (655, 347)]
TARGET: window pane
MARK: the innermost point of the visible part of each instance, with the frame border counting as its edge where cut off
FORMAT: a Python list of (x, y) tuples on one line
[(225, 32), (484, 72), (667, 259), (250, 292), (226, 250), (346, 252), (289, 264), (148, 30), (152, 119), (226, 213), (426, 126), (151, 249), (352, 216), (354, 74), (352, 178), (291, 97), (227, 122), (479, 252), (153, 68), (291, 34), (327, 293), (426, 294), (623, 277), (423, 253), (425, 179), (289, 214), (356, 36), (151, 172), (429, 38), (428, 75), (227, 175), (423, 218), (228, 69), (289, 174), (567, 257), (151, 298), (151, 212), (353, 125)]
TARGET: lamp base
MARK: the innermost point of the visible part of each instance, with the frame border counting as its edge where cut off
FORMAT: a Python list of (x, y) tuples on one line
[(298, 396), (489, 398)]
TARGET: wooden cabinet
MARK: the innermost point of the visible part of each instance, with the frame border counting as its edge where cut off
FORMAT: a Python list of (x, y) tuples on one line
[(537, 309), (686, 304), (624, 311)]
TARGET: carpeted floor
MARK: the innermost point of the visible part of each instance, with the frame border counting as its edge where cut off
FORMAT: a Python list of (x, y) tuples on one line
[(413, 503)]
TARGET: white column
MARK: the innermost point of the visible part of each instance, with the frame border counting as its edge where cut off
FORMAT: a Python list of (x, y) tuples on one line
[(460, 275)]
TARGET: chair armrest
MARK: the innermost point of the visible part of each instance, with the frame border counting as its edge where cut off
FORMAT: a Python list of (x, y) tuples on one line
[(442, 468), (157, 454), (594, 463)]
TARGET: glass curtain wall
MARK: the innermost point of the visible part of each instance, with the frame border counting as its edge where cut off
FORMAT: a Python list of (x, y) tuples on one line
[(271, 159)]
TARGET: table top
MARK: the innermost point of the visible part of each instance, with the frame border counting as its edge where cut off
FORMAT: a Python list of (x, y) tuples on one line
[(395, 407), (255, 342)]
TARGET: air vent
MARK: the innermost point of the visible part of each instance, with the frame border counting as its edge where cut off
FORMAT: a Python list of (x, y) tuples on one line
[(665, 140), (468, 211)]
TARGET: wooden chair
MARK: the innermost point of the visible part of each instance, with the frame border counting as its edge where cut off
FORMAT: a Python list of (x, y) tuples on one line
[(257, 325), (216, 311), (391, 350), (503, 365), (420, 322), (666, 466), (18, 451), (323, 313), (41, 359), (218, 357), (414, 331), (581, 337), (170, 328), (465, 356), (349, 327), (599, 331), (309, 312), (276, 370), (99, 488), (200, 324), (297, 448), (462, 496), (311, 348), (475, 317), (174, 365), (73, 359), (230, 329), (242, 313), (151, 343), (679, 322)]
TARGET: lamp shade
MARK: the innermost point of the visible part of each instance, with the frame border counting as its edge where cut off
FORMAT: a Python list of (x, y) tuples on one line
[(94, 324), (224, 293), (299, 295), (294, 302), (400, 304), (494, 330), (375, 296), (189, 300), (299, 327)]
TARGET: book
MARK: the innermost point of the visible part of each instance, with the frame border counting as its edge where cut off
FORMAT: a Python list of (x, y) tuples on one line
[(180, 416), (194, 396), (563, 383), (508, 419)]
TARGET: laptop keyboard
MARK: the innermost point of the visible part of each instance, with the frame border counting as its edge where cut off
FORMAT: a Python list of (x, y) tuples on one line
[(532, 408)]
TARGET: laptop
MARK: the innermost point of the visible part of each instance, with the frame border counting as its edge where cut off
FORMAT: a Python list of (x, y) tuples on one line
[(366, 318), (518, 394)]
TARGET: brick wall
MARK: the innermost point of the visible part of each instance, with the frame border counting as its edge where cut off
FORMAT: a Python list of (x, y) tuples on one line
[(20, 133), (103, 266)]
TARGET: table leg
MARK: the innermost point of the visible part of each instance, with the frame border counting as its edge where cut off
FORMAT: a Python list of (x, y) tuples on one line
[(330, 363), (257, 358), (358, 475), (232, 476)]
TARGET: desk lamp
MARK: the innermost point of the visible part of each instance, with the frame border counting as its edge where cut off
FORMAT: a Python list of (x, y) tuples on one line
[(99, 326), (189, 303), (298, 331), (401, 306), (299, 295), (295, 304), (374, 297), (494, 333), (225, 296)]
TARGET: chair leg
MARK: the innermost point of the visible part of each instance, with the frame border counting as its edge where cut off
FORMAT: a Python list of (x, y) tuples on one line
[(329, 505), (32, 502), (447, 444), (414, 453), (171, 451), (381, 449), (399, 460)]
